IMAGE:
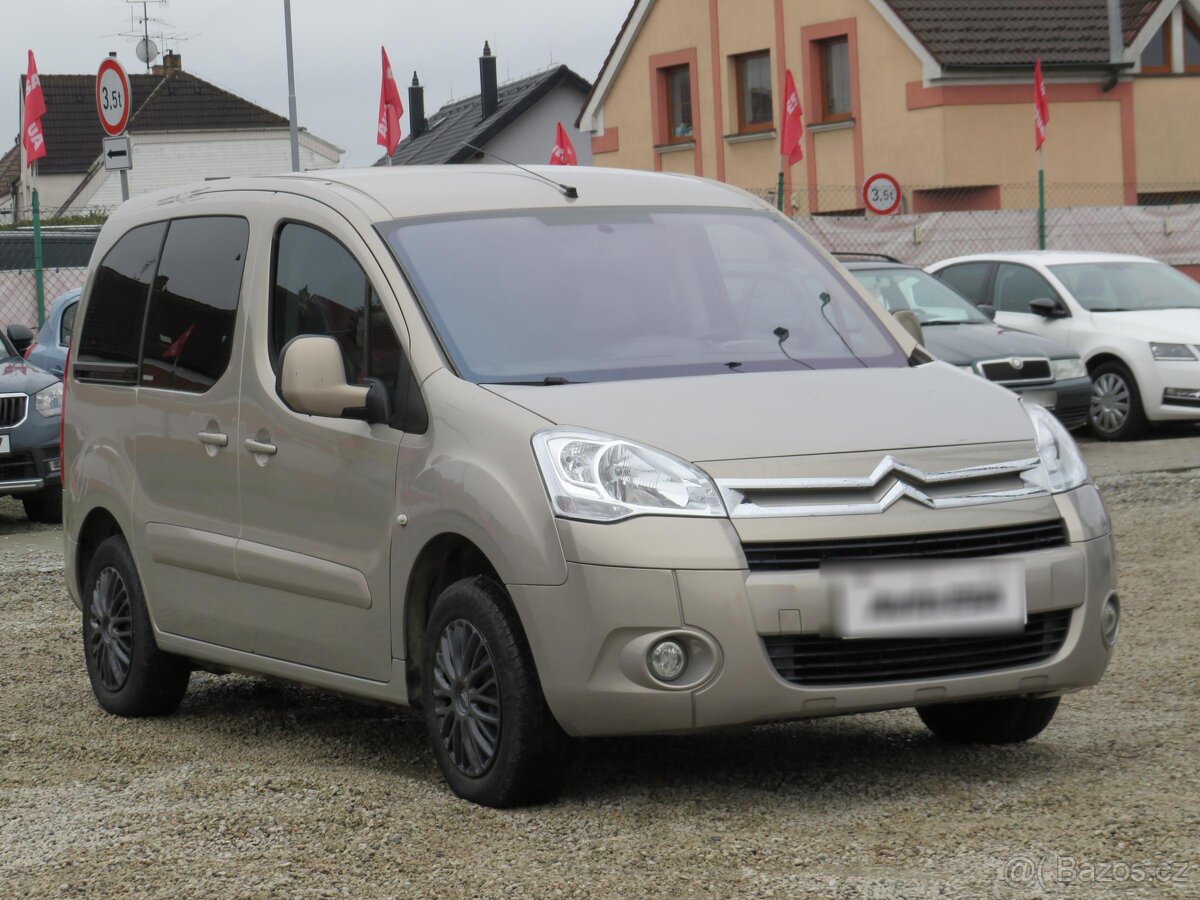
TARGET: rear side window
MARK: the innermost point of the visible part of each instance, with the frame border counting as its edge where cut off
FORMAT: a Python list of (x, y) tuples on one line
[(969, 279), (112, 331), (193, 307), (67, 325)]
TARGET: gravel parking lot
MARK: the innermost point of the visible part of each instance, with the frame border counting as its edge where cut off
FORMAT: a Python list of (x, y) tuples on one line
[(256, 788)]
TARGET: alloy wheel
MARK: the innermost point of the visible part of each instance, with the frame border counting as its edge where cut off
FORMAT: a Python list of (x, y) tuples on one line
[(1111, 402), (466, 698), (110, 626)]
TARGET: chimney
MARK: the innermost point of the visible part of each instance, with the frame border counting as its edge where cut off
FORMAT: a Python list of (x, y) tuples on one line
[(489, 90), (417, 125), (172, 62)]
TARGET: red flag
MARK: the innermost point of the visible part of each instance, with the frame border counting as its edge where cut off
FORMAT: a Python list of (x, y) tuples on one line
[(563, 153), (390, 109), (792, 144), (176, 349), (35, 108), (1041, 107)]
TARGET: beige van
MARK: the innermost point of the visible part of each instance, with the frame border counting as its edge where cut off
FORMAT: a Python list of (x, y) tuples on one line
[(624, 455)]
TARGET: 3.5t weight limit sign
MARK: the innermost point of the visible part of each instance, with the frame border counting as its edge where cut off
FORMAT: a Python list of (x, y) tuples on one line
[(881, 194), (112, 97)]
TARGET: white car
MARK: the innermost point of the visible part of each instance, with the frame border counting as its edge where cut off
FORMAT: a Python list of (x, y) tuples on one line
[(1134, 321)]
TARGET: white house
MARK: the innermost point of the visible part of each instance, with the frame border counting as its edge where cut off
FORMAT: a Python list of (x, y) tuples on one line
[(182, 128)]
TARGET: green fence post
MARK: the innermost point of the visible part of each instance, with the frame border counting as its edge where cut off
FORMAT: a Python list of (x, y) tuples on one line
[(1041, 202), (37, 260)]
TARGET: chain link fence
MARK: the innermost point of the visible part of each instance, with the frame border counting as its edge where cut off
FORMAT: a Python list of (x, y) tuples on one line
[(66, 250), (933, 224)]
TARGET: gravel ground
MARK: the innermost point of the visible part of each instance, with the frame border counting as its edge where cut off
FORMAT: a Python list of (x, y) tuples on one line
[(257, 789)]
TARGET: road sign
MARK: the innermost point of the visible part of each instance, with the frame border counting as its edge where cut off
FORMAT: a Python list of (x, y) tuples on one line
[(117, 154), (112, 97), (881, 194)]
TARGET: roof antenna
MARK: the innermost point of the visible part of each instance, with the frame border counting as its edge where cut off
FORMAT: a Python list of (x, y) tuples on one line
[(567, 191)]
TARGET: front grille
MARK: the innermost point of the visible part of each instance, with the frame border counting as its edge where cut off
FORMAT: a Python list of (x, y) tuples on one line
[(787, 556), (1006, 371), (810, 660), (17, 467), (12, 410)]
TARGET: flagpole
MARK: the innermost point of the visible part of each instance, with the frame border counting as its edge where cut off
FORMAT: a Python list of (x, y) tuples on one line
[(37, 252), (779, 190), (1041, 198)]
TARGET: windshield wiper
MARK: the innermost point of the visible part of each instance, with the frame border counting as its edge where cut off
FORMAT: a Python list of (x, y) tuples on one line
[(1115, 309), (947, 322), (548, 381)]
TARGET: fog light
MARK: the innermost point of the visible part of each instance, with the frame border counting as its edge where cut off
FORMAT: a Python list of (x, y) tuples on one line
[(1110, 620), (54, 464), (667, 660)]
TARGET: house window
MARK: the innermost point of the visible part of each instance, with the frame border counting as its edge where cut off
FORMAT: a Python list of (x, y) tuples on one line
[(755, 112), (1191, 44), (679, 104), (1156, 58), (834, 56)]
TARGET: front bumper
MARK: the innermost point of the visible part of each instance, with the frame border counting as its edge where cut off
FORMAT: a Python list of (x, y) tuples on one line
[(590, 635), (1160, 376), (27, 469), (1072, 399)]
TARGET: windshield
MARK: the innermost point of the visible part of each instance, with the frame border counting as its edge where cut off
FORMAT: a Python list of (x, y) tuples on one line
[(1124, 286), (931, 299), (616, 293), (6, 349)]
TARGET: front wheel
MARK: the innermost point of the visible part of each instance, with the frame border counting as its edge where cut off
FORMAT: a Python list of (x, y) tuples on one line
[(495, 739), (1117, 413), (1009, 721)]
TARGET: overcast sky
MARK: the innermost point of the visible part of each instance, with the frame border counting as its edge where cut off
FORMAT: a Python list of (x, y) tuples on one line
[(239, 45)]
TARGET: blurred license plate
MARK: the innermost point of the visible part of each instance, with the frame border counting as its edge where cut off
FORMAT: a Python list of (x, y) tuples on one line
[(945, 599), (4, 447), (1048, 399)]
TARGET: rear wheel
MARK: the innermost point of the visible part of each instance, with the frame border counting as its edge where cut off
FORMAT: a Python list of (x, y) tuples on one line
[(130, 676), (495, 739), (1117, 413), (45, 506), (990, 721)]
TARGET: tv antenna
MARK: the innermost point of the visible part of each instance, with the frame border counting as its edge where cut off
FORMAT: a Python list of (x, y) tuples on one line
[(149, 31)]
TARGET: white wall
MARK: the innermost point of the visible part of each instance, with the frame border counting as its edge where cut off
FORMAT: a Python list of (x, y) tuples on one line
[(530, 139), (169, 159)]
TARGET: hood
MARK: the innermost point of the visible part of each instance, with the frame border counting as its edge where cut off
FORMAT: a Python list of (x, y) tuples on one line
[(1178, 325), (965, 344), (769, 414), (19, 377)]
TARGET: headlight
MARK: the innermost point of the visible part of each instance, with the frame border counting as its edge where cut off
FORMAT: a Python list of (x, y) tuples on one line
[(1066, 369), (48, 401), (1062, 468), (1171, 351), (600, 478)]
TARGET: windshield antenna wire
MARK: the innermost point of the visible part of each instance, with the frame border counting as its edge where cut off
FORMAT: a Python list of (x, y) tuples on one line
[(567, 191), (825, 301)]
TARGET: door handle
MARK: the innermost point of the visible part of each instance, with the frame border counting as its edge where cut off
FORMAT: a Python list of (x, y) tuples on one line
[(213, 438), (260, 447)]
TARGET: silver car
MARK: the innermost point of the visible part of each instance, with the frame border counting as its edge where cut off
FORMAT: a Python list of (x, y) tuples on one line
[(623, 455)]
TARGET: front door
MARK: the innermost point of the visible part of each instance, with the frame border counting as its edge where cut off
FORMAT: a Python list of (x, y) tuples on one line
[(1016, 287), (319, 494)]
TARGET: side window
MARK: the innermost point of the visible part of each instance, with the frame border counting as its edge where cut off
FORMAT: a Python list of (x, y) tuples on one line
[(193, 307), (67, 324), (112, 330), (1017, 286), (969, 279), (319, 288)]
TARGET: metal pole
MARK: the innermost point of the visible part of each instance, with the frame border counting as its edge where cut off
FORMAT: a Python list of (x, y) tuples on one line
[(1041, 199), (779, 189), (37, 252), (124, 186), (291, 70)]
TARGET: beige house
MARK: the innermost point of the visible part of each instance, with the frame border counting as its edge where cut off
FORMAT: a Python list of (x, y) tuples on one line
[(937, 93)]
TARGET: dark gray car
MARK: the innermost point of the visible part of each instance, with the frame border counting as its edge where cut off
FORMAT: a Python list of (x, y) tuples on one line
[(30, 413), (1043, 371)]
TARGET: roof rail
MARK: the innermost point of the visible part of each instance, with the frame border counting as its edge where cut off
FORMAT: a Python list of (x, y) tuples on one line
[(882, 257)]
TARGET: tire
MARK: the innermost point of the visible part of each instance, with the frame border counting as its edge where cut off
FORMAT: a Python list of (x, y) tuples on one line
[(1116, 412), (45, 506), (494, 737), (990, 721), (130, 676)]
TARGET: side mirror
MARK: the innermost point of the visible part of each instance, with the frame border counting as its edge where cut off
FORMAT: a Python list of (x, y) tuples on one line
[(1048, 308), (911, 323), (988, 310), (20, 335), (312, 380)]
